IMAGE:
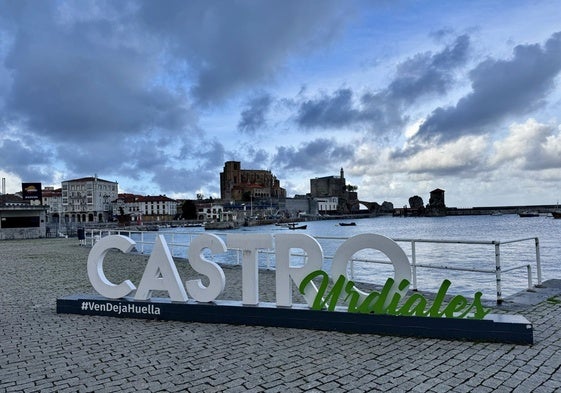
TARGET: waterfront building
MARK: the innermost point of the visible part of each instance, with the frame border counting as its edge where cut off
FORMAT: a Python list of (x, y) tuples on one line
[(436, 199), (149, 208), (327, 205), (335, 187), (88, 199), (51, 198), (208, 211), (21, 220), (247, 185), (300, 206), (436, 206)]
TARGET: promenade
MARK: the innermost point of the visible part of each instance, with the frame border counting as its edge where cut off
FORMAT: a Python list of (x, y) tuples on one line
[(42, 351)]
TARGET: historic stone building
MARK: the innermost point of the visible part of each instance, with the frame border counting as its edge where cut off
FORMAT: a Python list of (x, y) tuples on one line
[(436, 199), (336, 187), (244, 185), (436, 205)]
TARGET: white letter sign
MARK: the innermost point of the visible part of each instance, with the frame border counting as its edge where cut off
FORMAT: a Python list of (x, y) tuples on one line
[(161, 274), (249, 244), (284, 243), (95, 267), (215, 274), (402, 269)]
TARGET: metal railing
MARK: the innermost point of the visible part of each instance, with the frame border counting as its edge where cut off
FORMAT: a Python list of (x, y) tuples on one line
[(497, 269), (145, 240), (145, 245)]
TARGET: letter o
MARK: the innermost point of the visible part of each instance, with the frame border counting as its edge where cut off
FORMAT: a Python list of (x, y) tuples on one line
[(402, 268)]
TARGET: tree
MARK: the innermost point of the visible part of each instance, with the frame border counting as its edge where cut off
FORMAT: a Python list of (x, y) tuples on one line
[(189, 210)]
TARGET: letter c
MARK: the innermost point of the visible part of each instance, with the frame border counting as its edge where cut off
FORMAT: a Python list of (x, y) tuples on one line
[(95, 266)]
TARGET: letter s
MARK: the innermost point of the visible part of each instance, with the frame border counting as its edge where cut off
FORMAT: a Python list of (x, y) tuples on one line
[(213, 271)]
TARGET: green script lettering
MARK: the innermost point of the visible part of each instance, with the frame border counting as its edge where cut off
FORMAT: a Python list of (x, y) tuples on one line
[(415, 305), (373, 303), (332, 296)]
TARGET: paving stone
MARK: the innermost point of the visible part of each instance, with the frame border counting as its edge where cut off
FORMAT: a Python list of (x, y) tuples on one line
[(44, 351)]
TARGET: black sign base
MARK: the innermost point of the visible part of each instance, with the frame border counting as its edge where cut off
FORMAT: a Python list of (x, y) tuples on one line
[(494, 327)]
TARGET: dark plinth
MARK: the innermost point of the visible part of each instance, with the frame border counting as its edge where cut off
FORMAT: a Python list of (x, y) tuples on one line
[(494, 327)]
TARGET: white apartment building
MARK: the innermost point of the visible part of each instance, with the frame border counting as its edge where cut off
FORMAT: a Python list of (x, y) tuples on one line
[(52, 199), (88, 199), (210, 212), (145, 208), (327, 204)]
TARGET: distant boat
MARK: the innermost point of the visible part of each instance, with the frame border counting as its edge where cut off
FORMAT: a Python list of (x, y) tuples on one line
[(347, 224), (496, 213), (529, 214), (556, 214), (296, 226)]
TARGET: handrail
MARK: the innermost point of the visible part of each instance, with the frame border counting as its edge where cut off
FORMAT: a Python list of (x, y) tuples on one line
[(497, 270)]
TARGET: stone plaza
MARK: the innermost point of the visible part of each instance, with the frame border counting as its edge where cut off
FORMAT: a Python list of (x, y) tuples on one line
[(42, 351)]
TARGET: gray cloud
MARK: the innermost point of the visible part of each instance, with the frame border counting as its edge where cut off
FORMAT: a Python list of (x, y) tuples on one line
[(500, 88), (209, 157), (329, 111), (254, 158), (253, 117), (231, 44), (428, 73), (383, 111), (100, 82), (312, 155), (30, 160), (82, 86)]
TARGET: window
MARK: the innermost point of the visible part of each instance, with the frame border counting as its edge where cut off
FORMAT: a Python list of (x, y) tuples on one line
[(20, 222)]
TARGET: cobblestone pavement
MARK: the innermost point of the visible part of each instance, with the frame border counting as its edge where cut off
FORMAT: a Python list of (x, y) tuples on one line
[(41, 350)]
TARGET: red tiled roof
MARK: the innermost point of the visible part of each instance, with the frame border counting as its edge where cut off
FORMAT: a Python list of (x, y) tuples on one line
[(129, 198)]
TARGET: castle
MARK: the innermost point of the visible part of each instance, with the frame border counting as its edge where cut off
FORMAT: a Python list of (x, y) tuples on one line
[(243, 185), (333, 189)]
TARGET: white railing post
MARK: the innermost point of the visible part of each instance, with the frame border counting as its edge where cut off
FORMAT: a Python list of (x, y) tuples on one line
[(414, 265), (529, 278), (268, 260), (498, 271), (538, 262)]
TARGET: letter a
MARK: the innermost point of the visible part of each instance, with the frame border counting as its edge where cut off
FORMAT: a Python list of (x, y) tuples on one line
[(161, 274)]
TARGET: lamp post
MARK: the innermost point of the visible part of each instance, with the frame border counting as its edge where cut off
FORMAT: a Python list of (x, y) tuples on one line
[(105, 206)]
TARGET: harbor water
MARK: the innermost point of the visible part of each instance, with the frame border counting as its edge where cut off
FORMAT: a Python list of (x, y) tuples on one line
[(502, 229)]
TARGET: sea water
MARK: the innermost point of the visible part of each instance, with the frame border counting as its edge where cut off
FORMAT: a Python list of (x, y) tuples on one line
[(403, 229)]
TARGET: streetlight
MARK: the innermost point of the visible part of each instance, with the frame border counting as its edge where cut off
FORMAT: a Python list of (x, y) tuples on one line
[(105, 206)]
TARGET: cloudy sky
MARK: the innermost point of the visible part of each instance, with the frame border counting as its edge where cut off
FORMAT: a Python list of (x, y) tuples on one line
[(406, 96)]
